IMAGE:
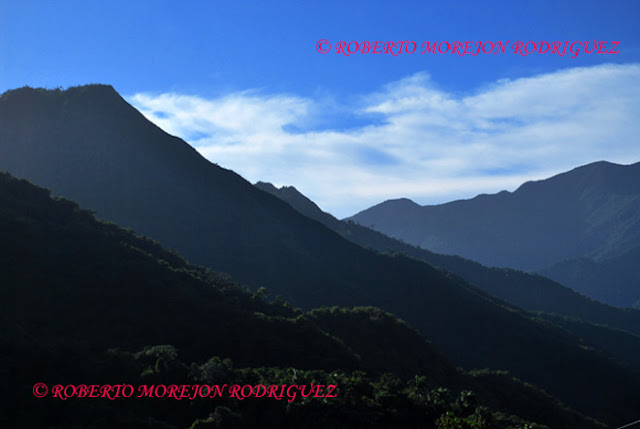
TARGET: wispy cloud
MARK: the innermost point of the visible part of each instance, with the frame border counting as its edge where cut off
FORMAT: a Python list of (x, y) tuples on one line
[(415, 139)]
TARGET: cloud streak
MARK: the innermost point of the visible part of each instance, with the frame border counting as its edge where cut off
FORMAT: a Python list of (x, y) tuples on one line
[(414, 139)]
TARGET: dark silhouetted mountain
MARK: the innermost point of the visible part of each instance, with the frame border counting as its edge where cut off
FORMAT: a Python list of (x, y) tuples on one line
[(78, 295), (88, 144), (591, 212), (619, 345)]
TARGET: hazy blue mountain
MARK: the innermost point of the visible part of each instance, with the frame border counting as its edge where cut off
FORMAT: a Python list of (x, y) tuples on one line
[(584, 219), (580, 315), (88, 144), (615, 280)]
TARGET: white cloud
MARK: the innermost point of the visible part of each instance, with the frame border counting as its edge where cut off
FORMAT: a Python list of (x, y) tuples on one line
[(421, 142)]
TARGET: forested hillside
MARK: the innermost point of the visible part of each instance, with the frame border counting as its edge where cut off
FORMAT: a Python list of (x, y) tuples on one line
[(85, 302)]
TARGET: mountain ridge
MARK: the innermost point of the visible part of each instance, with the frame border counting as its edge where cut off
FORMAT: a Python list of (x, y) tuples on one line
[(592, 212), (530, 292)]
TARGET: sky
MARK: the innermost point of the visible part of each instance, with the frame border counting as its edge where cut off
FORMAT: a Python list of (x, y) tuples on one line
[(250, 86)]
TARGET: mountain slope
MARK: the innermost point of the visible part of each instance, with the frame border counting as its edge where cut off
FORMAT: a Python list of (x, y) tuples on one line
[(615, 280), (74, 287), (590, 212), (88, 144), (528, 291)]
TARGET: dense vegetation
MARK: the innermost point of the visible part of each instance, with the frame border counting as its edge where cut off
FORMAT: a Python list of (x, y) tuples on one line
[(83, 302)]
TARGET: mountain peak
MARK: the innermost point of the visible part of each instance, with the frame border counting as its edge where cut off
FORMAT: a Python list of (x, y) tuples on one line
[(59, 104), (297, 200), (388, 207), (399, 203), (599, 175), (94, 89), (267, 186), (271, 188)]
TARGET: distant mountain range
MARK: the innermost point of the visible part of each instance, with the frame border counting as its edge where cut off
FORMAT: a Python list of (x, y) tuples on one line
[(531, 292), (88, 144), (581, 228)]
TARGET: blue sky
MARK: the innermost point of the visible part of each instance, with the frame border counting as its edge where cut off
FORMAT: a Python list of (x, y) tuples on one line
[(245, 85)]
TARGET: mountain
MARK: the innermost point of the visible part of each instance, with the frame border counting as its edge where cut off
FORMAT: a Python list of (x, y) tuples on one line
[(89, 145), (590, 213), (531, 292), (83, 301), (615, 280), (600, 325)]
